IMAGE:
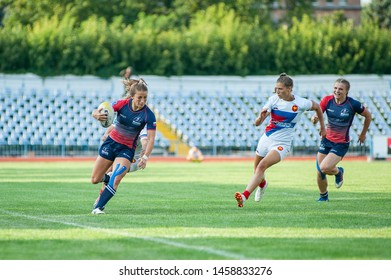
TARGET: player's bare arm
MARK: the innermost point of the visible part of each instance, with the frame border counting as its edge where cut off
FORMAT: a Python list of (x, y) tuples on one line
[(319, 117), (368, 118), (144, 142), (108, 130), (148, 150), (261, 117)]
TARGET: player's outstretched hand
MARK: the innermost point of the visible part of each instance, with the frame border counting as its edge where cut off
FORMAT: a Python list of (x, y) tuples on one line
[(361, 138), (314, 119), (322, 132), (142, 162)]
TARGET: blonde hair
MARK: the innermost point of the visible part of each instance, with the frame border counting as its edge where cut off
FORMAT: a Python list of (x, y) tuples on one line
[(345, 82), (133, 85)]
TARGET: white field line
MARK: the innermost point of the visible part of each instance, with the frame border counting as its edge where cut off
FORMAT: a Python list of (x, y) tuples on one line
[(164, 241)]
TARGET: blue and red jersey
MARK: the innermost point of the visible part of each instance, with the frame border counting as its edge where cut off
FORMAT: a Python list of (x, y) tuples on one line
[(340, 117), (129, 123)]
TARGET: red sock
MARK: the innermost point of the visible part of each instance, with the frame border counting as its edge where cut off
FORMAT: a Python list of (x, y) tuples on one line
[(246, 194), (262, 184)]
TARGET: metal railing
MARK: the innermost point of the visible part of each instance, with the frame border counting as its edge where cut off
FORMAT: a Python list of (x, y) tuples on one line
[(28, 150)]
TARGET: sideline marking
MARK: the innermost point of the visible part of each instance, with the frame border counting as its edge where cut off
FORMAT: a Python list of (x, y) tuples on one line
[(126, 234)]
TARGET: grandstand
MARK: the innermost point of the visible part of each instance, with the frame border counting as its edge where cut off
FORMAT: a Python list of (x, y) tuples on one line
[(52, 117)]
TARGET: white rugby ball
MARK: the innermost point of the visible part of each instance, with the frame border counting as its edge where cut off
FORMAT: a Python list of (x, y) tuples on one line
[(107, 109)]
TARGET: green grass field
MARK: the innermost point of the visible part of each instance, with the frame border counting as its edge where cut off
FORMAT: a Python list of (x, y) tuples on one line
[(186, 211)]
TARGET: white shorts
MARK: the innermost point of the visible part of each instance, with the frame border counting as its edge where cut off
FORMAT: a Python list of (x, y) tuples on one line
[(265, 145)]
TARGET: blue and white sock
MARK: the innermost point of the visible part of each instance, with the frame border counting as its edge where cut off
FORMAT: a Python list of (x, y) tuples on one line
[(324, 195), (105, 196)]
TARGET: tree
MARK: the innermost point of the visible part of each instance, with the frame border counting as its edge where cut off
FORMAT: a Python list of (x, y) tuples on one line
[(248, 10), (380, 12), (297, 9), (27, 12)]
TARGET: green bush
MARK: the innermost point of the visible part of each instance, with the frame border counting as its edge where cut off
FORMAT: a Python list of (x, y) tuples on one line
[(215, 42), (13, 50)]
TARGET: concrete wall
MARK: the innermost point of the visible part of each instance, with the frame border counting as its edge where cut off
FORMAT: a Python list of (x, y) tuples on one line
[(189, 84)]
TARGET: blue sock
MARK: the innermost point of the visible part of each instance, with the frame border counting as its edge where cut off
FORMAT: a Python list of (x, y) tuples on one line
[(324, 195)]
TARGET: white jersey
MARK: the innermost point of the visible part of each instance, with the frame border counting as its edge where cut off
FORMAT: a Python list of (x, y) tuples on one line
[(284, 115)]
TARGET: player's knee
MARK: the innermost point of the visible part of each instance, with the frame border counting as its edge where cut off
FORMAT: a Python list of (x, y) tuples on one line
[(260, 169), (95, 180), (326, 169)]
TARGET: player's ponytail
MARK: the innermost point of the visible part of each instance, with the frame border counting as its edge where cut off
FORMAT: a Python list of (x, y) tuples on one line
[(285, 80), (134, 85)]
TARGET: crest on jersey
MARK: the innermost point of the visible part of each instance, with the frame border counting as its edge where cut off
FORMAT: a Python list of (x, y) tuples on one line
[(280, 148), (137, 121), (345, 113), (295, 108)]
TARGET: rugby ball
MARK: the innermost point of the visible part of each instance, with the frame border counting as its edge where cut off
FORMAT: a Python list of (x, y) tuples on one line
[(107, 109)]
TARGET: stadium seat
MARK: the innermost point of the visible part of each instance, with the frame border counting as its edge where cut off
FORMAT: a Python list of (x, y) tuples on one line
[(46, 116)]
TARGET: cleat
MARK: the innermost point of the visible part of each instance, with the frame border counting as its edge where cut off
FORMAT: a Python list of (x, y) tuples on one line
[(339, 178), (260, 192), (323, 199), (239, 199), (97, 211)]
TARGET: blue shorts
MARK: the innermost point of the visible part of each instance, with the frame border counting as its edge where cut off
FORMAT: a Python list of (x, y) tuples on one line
[(326, 147), (111, 149)]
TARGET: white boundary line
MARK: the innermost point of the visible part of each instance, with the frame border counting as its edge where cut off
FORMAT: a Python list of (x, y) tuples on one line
[(164, 241)]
